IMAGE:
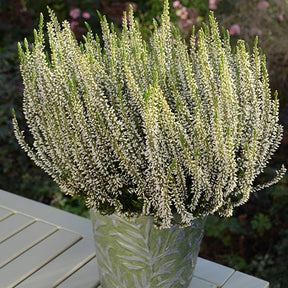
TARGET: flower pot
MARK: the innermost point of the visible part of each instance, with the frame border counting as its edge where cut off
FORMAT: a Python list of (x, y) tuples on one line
[(133, 253)]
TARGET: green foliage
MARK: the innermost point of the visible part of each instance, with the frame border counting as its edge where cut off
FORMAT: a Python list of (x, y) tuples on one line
[(216, 229), (269, 22), (237, 262), (255, 240), (261, 223), (69, 204), (223, 228)]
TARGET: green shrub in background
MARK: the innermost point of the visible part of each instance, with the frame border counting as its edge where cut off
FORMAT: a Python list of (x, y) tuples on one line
[(269, 20), (255, 240)]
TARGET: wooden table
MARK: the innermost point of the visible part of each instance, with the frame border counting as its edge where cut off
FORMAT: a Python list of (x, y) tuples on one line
[(43, 247)]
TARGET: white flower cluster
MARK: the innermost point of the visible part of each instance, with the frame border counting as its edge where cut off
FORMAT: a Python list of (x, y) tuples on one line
[(158, 128)]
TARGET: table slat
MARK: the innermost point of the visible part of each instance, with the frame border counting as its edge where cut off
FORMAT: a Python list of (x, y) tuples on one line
[(24, 240), (212, 272), (4, 213), (196, 283), (82, 277), (45, 212), (33, 259), (62, 266), (241, 280), (200, 283), (13, 224)]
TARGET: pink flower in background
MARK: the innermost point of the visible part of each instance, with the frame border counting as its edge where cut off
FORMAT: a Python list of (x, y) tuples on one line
[(281, 17), (73, 24), (86, 15), (177, 4), (182, 13), (255, 31), (213, 4), (187, 23), (75, 13), (262, 5), (234, 29)]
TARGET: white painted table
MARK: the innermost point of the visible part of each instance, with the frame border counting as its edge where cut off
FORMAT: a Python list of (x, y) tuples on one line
[(43, 247)]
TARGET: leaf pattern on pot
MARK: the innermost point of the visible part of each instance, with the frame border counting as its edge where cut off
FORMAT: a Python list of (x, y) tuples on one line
[(133, 253)]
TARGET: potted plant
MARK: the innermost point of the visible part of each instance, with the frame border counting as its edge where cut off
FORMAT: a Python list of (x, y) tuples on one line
[(152, 136)]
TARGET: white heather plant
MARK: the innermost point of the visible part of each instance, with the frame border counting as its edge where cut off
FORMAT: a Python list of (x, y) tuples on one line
[(149, 128)]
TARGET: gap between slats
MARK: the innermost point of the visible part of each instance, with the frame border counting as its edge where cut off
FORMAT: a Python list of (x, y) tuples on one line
[(30, 246), (74, 270), (20, 228), (31, 272)]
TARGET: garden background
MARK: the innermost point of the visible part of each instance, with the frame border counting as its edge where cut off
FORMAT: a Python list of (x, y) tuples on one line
[(255, 239)]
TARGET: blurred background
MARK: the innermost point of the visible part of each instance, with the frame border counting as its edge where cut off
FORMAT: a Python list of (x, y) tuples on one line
[(255, 239)]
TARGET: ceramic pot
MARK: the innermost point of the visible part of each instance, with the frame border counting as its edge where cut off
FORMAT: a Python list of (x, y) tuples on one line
[(133, 253)]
